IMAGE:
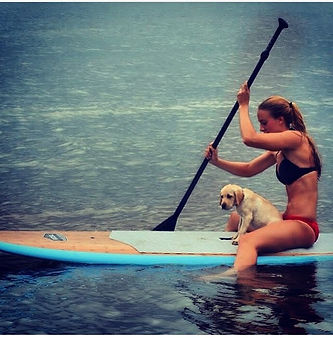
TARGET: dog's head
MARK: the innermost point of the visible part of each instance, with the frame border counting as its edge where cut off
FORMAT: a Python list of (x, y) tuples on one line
[(231, 195)]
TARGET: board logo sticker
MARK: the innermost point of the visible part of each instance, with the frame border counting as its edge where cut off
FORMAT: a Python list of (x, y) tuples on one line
[(55, 237)]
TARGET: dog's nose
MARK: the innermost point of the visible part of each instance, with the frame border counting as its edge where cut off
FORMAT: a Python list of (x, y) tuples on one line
[(223, 205)]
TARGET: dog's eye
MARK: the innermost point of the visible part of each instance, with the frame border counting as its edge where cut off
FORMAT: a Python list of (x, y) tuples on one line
[(229, 196)]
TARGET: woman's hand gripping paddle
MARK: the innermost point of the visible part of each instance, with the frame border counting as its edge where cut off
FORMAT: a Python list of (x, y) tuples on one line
[(170, 223)]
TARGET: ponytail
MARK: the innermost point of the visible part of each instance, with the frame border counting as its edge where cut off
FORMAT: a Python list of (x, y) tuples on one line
[(279, 106), (296, 118)]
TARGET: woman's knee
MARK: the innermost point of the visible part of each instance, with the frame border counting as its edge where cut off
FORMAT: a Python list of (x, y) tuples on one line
[(233, 222), (248, 240)]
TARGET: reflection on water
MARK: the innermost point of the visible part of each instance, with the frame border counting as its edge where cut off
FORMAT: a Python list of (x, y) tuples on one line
[(264, 300), (56, 298)]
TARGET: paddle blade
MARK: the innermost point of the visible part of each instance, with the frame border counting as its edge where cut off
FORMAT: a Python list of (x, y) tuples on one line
[(168, 225)]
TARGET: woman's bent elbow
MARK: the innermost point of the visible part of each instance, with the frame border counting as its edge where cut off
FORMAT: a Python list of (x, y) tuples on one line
[(249, 142)]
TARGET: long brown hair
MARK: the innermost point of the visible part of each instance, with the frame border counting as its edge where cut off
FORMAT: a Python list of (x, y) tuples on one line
[(279, 106)]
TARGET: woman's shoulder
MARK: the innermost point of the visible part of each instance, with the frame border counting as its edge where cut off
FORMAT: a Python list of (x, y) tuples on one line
[(292, 140)]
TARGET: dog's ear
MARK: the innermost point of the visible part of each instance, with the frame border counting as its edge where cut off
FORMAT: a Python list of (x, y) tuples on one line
[(221, 193), (239, 196)]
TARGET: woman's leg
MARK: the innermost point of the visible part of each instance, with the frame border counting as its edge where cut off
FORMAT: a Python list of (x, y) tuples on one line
[(274, 237), (233, 222)]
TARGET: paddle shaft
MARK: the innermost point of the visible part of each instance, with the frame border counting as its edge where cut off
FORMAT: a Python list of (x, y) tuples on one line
[(170, 223)]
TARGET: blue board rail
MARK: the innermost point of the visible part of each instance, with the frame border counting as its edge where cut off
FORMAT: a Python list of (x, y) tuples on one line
[(83, 257)]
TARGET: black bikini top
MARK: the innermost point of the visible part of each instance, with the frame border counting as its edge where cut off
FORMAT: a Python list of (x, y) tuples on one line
[(288, 172)]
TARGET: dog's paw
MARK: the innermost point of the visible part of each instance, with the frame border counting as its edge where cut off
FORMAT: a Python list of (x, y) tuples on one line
[(235, 239)]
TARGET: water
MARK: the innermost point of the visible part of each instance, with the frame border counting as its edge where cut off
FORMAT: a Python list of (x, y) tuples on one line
[(53, 298), (105, 110)]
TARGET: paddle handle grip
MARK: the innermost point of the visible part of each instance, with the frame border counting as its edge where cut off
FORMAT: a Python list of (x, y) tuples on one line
[(263, 57)]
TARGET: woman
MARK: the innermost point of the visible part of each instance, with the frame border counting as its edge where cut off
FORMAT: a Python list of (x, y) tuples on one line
[(287, 144)]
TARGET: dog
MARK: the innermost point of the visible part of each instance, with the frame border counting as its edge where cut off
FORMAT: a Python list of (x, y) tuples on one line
[(253, 209)]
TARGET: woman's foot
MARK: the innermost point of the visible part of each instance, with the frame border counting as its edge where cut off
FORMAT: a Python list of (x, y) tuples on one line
[(228, 274)]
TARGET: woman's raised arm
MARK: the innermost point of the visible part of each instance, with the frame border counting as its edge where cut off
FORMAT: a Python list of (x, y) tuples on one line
[(244, 169)]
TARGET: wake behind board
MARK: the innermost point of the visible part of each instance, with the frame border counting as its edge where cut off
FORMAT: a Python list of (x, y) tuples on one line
[(147, 247)]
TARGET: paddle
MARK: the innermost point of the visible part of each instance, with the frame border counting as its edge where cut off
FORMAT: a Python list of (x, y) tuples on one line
[(170, 223)]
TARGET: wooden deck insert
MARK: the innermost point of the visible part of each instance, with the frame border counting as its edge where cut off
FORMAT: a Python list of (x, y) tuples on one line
[(88, 241)]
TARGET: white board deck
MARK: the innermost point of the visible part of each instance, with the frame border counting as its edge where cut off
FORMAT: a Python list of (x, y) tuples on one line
[(178, 242), (200, 242)]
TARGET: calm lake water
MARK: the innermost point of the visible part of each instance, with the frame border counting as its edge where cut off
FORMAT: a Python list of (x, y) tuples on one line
[(105, 110)]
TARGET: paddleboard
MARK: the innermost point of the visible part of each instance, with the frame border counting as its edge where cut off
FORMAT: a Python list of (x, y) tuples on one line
[(148, 247)]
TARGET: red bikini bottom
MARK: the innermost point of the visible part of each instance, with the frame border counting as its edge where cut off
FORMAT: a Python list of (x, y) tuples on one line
[(313, 224)]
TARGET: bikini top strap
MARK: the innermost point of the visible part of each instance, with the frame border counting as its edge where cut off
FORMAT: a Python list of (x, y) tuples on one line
[(277, 154)]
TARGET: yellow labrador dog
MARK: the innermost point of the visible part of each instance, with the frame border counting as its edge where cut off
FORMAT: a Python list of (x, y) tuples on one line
[(254, 210)]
